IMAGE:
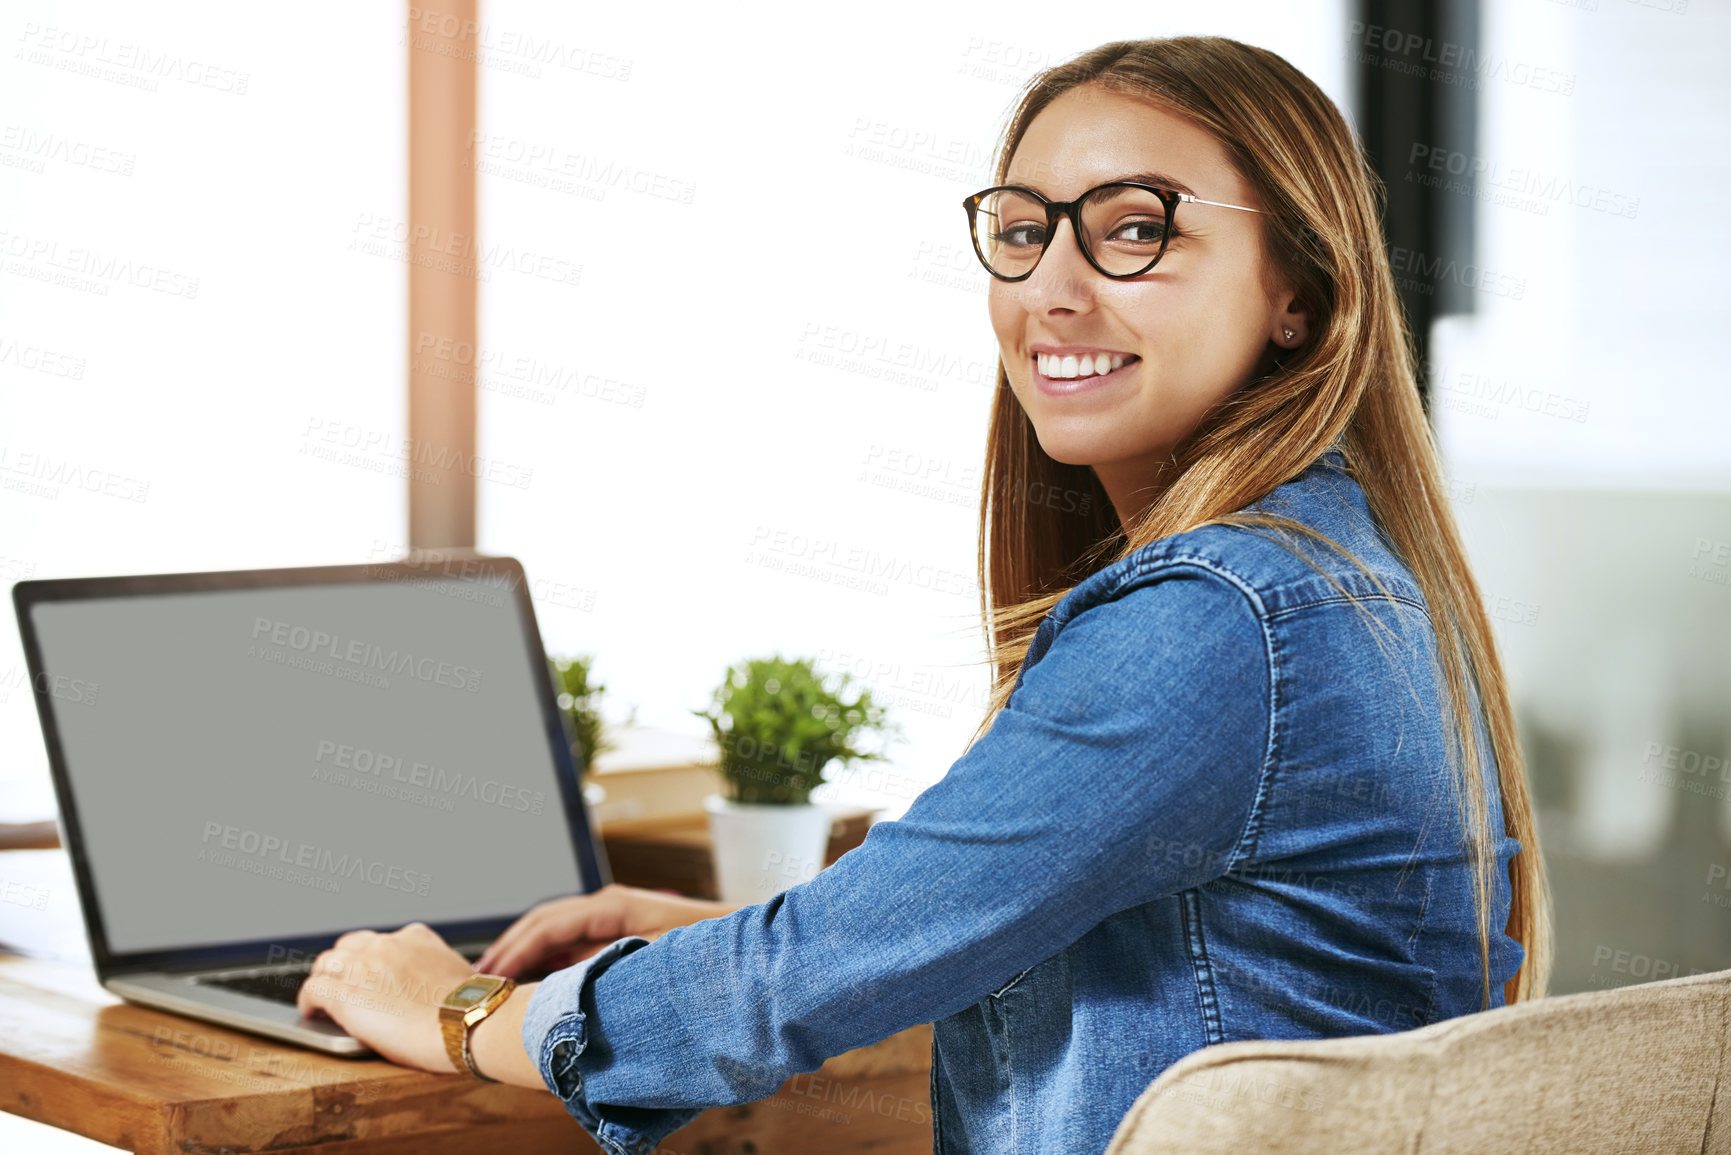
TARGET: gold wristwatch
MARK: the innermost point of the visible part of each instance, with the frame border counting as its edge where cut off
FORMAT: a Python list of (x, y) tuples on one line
[(474, 999)]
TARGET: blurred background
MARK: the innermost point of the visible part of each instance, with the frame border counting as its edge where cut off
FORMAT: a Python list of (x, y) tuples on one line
[(713, 424)]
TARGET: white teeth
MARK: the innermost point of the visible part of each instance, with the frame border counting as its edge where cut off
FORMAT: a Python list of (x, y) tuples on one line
[(1074, 365)]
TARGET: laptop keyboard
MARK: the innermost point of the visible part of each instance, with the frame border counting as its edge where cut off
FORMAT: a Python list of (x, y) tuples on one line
[(281, 986)]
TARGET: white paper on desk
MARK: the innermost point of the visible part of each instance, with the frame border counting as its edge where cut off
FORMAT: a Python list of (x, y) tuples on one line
[(39, 912)]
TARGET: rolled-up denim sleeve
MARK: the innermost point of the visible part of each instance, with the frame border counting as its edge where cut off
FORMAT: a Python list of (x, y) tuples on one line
[(1125, 766), (554, 1036)]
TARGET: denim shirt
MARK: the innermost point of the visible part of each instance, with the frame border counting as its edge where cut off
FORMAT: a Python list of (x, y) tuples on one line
[(1215, 807)]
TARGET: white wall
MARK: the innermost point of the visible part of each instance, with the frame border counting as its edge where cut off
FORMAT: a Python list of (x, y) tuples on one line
[(181, 313), (706, 165), (1601, 372), (1602, 365)]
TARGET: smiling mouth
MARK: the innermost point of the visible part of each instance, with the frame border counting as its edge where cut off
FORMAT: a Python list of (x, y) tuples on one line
[(1066, 366)]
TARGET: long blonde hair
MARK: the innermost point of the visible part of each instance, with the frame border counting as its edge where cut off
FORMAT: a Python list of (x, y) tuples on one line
[(1352, 385)]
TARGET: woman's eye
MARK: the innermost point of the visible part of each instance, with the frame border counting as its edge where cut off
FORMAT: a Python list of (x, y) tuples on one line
[(1030, 235), (1147, 232)]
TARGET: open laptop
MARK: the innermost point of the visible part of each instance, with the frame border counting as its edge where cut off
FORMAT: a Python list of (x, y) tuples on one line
[(250, 764)]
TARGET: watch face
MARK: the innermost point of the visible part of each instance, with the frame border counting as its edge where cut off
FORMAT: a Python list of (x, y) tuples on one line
[(471, 993)]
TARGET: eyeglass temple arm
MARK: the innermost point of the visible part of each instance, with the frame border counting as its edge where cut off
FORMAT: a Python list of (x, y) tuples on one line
[(1216, 204)]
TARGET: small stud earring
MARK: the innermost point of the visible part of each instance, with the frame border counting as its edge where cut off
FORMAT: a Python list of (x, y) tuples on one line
[(1288, 333)]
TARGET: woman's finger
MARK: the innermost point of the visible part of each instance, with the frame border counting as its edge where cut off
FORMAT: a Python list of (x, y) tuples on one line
[(567, 922), (307, 998), (522, 942), (551, 924), (506, 943), (527, 949)]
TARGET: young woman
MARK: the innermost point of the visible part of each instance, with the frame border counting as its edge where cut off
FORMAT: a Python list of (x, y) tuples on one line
[(1249, 770)]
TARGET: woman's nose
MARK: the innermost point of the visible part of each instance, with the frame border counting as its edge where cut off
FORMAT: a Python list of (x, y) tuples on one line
[(1063, 278)]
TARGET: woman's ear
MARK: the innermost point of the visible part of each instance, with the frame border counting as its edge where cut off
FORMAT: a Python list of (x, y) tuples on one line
[(1291, 325)]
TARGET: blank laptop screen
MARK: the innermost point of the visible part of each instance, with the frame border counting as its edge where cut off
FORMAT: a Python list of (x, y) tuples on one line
[(283, 762)]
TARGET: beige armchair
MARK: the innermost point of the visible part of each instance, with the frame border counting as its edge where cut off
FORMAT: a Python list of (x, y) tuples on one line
[(1636, 1069)]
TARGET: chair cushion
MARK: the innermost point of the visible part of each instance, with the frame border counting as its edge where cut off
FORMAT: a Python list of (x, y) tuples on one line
[(1634, 1069)]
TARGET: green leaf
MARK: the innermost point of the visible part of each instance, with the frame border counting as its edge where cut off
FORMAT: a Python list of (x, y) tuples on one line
[(779, 725)]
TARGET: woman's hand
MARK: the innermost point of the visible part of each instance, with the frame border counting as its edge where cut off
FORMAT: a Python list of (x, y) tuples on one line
[(564, 931), (385, 990)]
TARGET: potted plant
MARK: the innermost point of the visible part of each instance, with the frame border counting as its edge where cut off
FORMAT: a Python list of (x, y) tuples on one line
[(778, 727), (579, 698)]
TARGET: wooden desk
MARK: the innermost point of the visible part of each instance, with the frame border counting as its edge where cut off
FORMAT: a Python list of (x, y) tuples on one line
[(75, 1057)]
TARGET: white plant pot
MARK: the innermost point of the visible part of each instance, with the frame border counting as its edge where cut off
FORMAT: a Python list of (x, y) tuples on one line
[(760, 850)]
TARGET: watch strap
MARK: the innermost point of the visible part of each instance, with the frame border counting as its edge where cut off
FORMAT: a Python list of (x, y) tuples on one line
[(456, 1036), (469, 1059)]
